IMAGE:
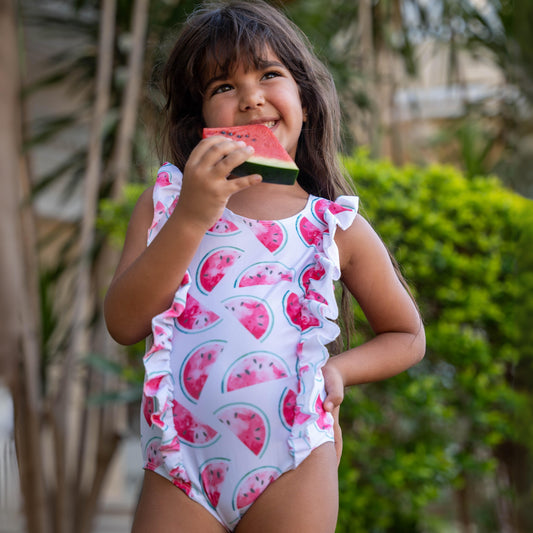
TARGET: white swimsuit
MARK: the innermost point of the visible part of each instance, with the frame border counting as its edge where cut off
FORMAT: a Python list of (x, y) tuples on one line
[(233, 389)]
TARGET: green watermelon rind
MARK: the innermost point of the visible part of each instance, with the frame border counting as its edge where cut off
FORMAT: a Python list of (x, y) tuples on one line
[(271, 170), (182, 367), (200, 470), (270, 160), (247, 269), (267, 307), (258, 352), (254, 408), (245, 477), (204, 259)]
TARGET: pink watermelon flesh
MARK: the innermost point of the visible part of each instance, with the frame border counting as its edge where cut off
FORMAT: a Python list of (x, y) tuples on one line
[(269, 233), (298, 314), (254, 368), (310, 234), (315, 271), (248, 424), (195, 369), (253, 485), (212, 476), (252, 313), (195, 316), (214, 267), (223, 227), (264, 274), (269, 159), (189, 429), (289, 411), (322, 205)]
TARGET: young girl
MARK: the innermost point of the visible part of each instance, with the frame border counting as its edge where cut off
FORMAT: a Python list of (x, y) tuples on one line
[(236, 289)]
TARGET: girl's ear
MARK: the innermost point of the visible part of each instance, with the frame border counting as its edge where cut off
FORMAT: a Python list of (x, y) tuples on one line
[(304, 110)]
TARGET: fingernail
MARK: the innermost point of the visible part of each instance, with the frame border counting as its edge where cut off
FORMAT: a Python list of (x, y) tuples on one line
[(241, 143)]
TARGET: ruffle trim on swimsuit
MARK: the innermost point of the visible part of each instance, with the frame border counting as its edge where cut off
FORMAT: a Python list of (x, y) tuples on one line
[(158, 401), (316, 312)]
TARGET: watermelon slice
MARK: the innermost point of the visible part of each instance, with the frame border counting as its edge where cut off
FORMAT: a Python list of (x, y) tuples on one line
[(289, 412), (252, 485), (265, 273), (152, 453), (214, 266), (195, 317), (223, 226), (269, 233), (254, 368), (195, 368), (269, 159), (297, 313), (190, 430), (253, 313), (212, 476), (248, 423)]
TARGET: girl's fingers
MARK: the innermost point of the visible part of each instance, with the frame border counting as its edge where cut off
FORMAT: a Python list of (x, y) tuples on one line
[(220, 154)]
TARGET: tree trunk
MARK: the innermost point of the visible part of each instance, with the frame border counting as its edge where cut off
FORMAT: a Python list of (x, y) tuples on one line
[(19, 327), (65, 434)]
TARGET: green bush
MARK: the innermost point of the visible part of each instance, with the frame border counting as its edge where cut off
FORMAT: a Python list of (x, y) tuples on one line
[(466, 248)]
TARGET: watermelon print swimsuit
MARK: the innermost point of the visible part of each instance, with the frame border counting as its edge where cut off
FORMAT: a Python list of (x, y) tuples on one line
[(233, 385)]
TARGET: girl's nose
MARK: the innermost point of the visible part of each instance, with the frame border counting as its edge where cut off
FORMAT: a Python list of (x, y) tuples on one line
[(251, 98)]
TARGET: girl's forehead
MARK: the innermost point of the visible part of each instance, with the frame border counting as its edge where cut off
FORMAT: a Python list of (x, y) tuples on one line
[(224, 62)]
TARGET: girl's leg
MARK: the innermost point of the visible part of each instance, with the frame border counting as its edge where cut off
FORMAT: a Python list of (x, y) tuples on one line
[(164, 508), (303, 499)]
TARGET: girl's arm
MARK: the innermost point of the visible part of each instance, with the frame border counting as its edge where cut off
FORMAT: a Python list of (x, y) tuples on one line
[(399, 340), (147, 277)]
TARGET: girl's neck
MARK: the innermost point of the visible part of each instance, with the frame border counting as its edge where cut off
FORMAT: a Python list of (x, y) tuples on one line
[(267, 201)]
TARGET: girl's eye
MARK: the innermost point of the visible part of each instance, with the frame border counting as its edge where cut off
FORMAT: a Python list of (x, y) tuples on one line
[(222, 88), (271, 74)]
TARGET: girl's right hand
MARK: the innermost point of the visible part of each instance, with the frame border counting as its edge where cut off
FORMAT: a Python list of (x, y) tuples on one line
[(206, 187)]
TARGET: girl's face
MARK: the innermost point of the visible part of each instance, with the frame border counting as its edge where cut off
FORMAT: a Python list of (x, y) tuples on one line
[(266, 95)]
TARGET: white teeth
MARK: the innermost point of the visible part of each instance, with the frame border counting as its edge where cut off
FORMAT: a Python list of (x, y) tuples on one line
[(270, 124)]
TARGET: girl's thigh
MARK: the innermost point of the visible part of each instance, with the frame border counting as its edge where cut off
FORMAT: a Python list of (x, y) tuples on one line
[(303, 499), (164, 508)]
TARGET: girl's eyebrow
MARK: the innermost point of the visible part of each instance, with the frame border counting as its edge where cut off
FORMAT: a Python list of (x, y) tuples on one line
[(262, 66)]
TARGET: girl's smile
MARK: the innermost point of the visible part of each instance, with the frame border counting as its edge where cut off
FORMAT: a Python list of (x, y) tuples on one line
[(267, 95)]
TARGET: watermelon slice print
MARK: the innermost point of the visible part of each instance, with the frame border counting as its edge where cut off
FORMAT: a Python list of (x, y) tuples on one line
[(248, 423), (195, 317), (223, 226), (214, 266), (269, 159), (264, 273), (269, 233), (298, 314), (324, 417), (314, 271), (254, 368), (152, 453), (212, 475), (148, 408), (195, 368), (252, 485), (289, 412), (309, 233), (190, 430), (163, 179), (253, 313), (321, 205)]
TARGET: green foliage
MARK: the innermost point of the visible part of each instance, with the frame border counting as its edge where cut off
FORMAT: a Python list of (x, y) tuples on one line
[(114, 216), (466, 247)]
